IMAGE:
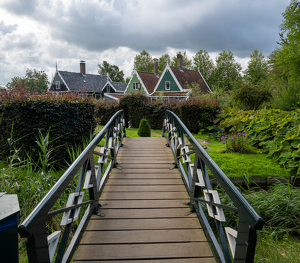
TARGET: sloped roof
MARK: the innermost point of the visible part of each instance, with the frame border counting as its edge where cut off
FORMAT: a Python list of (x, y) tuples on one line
[(188, 77), (119, 86), (149, 79), (80, 82)]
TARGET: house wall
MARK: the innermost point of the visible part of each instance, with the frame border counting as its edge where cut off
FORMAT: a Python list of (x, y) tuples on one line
[(130, 87), (107, 89), (167, 77), (62, 84)]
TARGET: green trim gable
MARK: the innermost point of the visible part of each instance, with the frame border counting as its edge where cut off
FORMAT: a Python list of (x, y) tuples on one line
[(130, 86), (167, 77)]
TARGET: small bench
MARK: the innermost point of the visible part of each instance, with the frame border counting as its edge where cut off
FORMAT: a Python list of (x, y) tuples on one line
[(215, 132)]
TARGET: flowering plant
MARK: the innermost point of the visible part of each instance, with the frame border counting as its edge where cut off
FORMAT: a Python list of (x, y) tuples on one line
[(237, 142)]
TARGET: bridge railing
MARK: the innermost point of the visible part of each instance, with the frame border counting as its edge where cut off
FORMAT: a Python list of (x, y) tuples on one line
[(47, 241), (228, 244)]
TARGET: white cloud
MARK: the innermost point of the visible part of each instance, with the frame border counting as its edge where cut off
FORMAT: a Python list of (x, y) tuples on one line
[(37, 33)]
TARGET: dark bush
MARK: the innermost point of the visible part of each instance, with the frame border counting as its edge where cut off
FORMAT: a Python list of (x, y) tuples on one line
[(195, 114), (144, 129), (68, 118)]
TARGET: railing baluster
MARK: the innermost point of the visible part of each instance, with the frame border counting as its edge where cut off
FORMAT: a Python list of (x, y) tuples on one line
[(197, 180), (34, 226)]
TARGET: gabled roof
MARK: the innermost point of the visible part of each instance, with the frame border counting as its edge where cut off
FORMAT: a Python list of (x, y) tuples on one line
[(119, 86), (188, 77), (184, 77), (149, 80), (80, 82)]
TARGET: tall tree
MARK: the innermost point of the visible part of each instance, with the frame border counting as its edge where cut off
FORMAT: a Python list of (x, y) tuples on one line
[(34, 81), (144, 62), (186, 62), (287, 56), (163, 61), (227, 71), (257, 69), (113, 71), (204, 64)]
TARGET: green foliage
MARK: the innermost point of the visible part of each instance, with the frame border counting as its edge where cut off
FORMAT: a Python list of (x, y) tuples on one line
[(204, 64), (34, 81), (249, 96), (69, 118), (104, 110), (112, 70), (163, 61), (287, 56), (143, 62), (237, 143), (144, 129), (257, 69), (286, 94), (276, 132), (227, 71), (195, 114), (186, 62)]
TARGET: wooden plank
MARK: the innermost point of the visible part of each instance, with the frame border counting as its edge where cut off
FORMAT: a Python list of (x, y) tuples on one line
[(147, 166), (146, 196), (152, 160), (141, 176), (144, 220), (143, 213), (144, 188), (174, 260), (144, 171), (137, 204), (143, 251), (143, 236), (143, 224), (143, 181)]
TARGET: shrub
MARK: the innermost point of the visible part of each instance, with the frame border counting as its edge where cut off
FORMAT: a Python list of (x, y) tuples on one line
[(68, 118), (144, 129), (250, 96), (237, 142)]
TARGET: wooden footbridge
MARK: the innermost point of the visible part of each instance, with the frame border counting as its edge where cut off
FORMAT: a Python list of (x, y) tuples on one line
[(145, 200)]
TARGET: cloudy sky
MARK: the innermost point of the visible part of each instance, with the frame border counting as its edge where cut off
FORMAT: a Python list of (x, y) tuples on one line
[(39, 33)]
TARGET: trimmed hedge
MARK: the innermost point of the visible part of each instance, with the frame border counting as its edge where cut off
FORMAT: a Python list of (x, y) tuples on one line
[(144, 129), (70, 119), (195, 114)]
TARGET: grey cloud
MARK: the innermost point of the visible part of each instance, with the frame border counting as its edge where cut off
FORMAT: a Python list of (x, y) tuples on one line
[(20, 7), (6, 29)]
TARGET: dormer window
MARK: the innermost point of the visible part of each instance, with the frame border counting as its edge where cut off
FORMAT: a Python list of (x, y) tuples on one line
[(57, 85), (167, 85), (136, 86)]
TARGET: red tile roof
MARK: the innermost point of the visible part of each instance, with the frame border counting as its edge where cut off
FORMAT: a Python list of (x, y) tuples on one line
[(149, 79), (188, 77)]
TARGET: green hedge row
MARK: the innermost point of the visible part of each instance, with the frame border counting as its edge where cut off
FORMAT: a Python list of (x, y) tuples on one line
[(195, 114), (69, 118)]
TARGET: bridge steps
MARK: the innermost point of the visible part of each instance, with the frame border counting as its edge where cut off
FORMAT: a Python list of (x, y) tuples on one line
[(144, 219)]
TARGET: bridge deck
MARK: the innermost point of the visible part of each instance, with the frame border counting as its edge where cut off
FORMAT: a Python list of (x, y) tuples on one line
[(144, 219)]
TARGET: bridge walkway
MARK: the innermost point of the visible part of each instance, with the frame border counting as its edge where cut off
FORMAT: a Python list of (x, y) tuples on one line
[(144, 219)]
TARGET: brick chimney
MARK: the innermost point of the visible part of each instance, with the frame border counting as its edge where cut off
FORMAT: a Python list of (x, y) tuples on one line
[(82, 67), (179, 62), (155, 60)]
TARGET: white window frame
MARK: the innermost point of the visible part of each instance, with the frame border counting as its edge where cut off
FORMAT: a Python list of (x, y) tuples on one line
[(57, 85), (136, 85), (167, 82)]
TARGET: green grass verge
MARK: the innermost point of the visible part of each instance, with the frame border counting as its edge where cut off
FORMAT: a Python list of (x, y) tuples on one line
[(242, 165)]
